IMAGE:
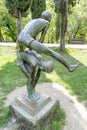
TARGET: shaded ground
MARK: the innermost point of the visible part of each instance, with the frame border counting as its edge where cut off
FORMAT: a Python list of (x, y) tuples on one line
[(76, 114)]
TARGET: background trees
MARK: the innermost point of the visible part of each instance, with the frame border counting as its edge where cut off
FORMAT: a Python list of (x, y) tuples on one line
[(57, 20), (37, 7), (63, 7), (7, 24), (76, 26), (18, 9)]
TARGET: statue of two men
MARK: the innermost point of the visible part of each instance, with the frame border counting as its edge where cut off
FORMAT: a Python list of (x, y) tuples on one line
[(30, 61)]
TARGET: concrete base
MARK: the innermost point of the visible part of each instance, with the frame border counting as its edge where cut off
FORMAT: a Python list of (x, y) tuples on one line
[(33, 116)]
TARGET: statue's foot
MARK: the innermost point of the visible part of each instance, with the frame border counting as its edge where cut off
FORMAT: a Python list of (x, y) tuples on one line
[(73, 67), (34, 98)]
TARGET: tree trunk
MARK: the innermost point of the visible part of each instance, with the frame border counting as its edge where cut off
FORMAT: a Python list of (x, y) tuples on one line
[(77, 30), (63, 25), (19, 27), (57, 25), (1, 36), (19, 22), (62, 41)]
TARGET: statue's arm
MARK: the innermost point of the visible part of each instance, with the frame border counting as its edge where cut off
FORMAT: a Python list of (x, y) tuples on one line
[(44, 33), (25, 72)]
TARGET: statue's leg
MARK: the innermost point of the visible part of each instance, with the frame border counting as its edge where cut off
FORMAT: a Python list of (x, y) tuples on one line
[(31, 83), (32, 95), (40, 48), (37, 76), (30, 88)]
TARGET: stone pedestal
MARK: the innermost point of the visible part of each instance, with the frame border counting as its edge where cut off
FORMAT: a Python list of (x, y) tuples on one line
[(33, 116)]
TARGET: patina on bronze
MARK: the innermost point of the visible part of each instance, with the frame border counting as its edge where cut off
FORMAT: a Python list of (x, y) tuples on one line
[(30, 61)]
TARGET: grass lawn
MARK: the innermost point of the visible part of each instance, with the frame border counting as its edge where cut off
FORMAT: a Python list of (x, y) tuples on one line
[(11, 77)]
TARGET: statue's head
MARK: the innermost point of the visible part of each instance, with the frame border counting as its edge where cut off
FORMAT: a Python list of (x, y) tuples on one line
[(46, 15)]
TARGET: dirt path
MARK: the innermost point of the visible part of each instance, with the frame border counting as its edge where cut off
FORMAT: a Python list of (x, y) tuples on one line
[(76, 114)]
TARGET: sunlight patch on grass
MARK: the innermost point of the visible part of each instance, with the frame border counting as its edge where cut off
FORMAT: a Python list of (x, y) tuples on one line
[(53, 76), (4, 59), (78, 54)]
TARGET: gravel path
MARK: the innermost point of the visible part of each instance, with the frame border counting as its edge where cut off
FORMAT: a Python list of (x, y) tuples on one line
[(76, 114)]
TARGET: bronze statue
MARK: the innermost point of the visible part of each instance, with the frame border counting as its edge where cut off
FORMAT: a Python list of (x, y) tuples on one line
[(31, 64), (30, 61)]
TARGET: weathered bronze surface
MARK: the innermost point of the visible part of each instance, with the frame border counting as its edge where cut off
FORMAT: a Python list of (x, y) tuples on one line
[(31, 61)]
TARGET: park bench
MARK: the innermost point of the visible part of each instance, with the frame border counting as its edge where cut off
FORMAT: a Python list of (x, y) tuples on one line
[(76, 41)]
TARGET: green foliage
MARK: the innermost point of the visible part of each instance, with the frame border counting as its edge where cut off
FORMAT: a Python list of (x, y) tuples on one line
[(57, 121), (58, 26), (7, 24), (62, 7), (15, 5), (50, 36), (37, 7), (57, 5), (9, 28), (73, 2), (60, 4), (78, 21), (4, 117)]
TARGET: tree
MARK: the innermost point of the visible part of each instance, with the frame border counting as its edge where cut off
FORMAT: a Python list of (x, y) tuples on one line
[(9, 28), (18, 8), (7, 24), (77, 25), (64, 12), (2, 10), (57, 21), (63, 6), (37, 7)]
